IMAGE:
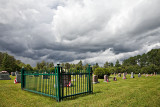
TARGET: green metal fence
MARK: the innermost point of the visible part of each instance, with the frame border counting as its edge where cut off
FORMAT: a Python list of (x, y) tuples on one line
[(59, 83)]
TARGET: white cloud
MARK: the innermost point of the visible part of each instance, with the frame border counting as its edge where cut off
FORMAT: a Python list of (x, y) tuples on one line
[(61, 31)]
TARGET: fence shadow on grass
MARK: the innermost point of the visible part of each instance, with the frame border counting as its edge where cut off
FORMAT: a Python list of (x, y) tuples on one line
[(81, 95)]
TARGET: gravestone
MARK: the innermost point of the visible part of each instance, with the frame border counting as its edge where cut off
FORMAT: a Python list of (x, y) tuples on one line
[(139, 75), (86, 75), (105, 78), (4, 75), (114, 79), (119, 74), (45, 77), (18, 78), (65, 79), (95, 79), (124, 76), (13, 73), (154, 73), (36, 75), (132, 75), (16, 72), (80, 76)]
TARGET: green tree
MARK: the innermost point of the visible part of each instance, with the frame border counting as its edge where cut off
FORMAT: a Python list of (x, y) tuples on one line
[(67, 66), (6, 63), (28, 67), (117, 64), (106, 65)]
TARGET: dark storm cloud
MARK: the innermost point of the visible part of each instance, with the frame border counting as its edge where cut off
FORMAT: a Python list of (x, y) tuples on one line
[(69, 31)]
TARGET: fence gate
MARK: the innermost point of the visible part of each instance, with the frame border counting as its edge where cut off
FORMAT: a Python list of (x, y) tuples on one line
[(59, 83)]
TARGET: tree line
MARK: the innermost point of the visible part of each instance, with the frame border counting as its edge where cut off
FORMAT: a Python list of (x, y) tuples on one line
[(145, 63)]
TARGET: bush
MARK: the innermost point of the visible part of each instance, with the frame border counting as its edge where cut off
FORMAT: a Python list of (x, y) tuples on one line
[(100, 72)]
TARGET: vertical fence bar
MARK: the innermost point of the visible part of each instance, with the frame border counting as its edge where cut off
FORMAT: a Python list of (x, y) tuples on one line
[(62, 82), (43, 82), (48, 80), (89, 69), (58, 83), (83, 80), (87, 79), (22, 78), (92, 79)]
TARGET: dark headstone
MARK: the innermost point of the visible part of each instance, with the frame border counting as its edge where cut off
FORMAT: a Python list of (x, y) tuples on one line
[(13, 73), (4, 76), (36, 75), (95, 79), (86, 75), (45, 76), (65, 80), (114, 79), (80, 76)]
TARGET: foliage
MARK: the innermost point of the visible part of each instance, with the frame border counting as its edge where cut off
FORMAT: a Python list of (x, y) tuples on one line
[(9, 63), (117, 64), (100, 72)]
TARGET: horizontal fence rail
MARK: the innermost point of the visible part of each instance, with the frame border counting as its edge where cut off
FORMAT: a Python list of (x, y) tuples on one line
[(59, 84)]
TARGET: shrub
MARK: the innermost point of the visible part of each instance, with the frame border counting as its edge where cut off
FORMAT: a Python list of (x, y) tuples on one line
[(100, 72)]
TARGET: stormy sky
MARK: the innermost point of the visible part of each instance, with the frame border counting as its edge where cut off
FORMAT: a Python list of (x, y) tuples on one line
[(72, 30)]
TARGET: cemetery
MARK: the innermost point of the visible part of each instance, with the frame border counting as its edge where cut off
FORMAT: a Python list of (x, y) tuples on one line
[(130, 92)]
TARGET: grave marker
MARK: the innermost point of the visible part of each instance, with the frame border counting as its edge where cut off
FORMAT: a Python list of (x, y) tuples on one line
[(4, 75), (16, 72), (106, 78), (132, 75), (114, 79), (95, 79), (13, 73), (119, 74), (66, 79), (124, 76), (18, 78), (139, 75)]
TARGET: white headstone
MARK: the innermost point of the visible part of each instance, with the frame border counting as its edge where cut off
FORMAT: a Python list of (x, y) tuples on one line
[(132, 75)]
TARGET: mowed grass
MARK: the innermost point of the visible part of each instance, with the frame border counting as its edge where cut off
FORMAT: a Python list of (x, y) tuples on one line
[(132, 92)]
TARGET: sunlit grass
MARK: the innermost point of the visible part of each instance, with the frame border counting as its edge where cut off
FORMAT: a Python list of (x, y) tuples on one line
[(144, 91)]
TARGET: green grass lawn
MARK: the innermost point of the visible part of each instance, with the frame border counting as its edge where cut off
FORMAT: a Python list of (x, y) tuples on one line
[(132, 92)]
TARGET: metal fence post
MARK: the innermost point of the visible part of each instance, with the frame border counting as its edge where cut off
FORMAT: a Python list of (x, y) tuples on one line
[(89, 69), (58, 83), (22, 78)]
